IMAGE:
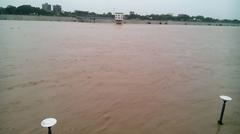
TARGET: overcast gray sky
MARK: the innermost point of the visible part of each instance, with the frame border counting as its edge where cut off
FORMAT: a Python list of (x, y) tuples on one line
[(229, 9)]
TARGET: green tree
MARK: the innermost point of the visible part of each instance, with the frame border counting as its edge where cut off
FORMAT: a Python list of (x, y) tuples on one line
[(2, 10), (81, 13), (10, 9), (25, 10), (199, 18), (183, 17)]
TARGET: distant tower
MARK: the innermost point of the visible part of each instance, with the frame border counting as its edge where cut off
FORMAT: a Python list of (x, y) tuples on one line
[(47, 7), (57, 9), (119, 18)]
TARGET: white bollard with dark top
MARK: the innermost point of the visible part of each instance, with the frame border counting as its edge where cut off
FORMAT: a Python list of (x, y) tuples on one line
[(225, 99), (48, 123)]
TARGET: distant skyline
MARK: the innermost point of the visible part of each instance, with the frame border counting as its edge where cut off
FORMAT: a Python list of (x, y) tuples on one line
[(221, 9)]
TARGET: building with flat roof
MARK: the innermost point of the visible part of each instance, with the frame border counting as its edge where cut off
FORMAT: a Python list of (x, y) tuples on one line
[(47, 7), (119, 18), (57, 9)]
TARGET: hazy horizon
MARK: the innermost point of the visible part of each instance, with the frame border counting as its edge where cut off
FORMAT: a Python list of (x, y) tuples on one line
[(220, 9)]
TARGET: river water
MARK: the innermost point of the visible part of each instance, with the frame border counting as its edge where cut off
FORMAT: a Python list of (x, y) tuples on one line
[(118, 79)]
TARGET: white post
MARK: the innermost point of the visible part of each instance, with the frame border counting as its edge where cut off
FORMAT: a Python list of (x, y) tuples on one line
[(48, 123), (225, 99)]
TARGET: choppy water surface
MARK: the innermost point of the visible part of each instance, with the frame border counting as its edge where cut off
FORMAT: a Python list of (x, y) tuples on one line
[(111, 79)]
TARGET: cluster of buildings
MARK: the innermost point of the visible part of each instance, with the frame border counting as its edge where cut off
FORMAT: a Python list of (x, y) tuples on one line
[(57, 9)]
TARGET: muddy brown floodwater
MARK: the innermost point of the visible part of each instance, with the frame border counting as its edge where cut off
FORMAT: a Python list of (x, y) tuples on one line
[(118, 79)]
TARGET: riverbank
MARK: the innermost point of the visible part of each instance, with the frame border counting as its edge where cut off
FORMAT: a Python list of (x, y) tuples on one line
[(37, 18), (108, 20)]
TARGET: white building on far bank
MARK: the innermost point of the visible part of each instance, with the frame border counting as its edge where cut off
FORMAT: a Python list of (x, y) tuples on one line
[(119, 18)]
